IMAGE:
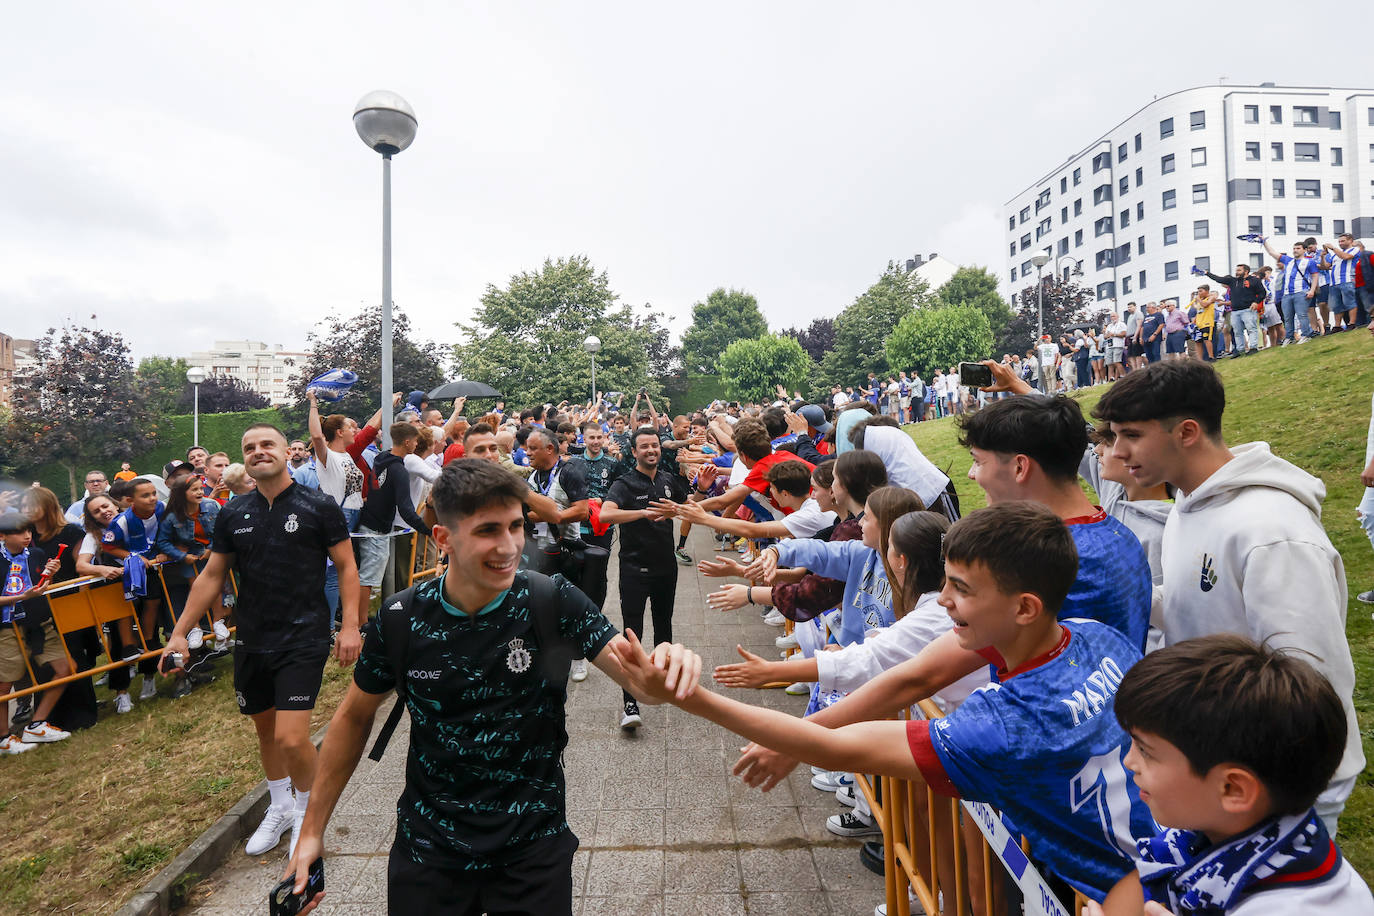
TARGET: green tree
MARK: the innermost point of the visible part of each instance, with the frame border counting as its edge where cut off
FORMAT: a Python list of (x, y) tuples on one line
[(937, 338), (725, 317), (1065, 305), (752, 369), (525, 340), (354, 342), (862, 329), (976, 287), (80, 406), (162, 380)]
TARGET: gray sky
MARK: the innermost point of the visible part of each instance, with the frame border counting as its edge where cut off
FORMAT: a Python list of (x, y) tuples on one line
[(189, 174)]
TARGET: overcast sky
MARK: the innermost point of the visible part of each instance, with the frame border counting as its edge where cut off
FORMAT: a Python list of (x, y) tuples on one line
[(187, 173)]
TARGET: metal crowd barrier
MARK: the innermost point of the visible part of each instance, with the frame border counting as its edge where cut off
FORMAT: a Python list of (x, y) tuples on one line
[(925, 851)]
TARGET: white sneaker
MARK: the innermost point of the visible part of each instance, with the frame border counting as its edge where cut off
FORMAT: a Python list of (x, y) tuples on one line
[(43, 733), (221, 646), (787, 641), (774, 618), (799, 689), (274, 823), (297, 817), (149, 688), (221, 631), (195, 639), (579, 670), (12, 745), (123, 704)]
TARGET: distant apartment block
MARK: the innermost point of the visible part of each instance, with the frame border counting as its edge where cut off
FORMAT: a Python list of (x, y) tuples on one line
[(267, 370)]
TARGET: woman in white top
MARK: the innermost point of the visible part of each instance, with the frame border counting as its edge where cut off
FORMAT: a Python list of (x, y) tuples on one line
[(340, 476)]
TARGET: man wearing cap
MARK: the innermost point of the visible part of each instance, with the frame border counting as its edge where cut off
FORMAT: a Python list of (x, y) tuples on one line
[(816, 427)]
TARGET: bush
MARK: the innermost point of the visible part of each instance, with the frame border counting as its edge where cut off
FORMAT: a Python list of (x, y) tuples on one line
[(753, 368)]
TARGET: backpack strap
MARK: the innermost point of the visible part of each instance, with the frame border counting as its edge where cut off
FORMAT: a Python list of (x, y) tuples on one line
[(556, 652), (395, 625)]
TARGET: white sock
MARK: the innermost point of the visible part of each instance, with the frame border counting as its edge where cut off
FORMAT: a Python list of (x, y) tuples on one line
[(302, 800), (281, 792)]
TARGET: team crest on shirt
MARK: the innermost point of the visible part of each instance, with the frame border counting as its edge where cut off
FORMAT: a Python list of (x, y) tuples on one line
[(518, 658), (291, 526)]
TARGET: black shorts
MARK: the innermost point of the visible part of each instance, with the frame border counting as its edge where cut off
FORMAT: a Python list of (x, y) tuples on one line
[(278, 680), (539, 882), (1135, 348)]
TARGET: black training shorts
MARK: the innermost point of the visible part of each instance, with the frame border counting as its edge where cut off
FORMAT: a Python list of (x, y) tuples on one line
[(278, 680), (538, 881)]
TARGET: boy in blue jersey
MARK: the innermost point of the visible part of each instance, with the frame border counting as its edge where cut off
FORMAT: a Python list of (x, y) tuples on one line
[(1042, 744), (1242, 833)]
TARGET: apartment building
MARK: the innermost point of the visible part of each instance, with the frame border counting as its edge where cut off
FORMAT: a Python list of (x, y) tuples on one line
[(266, 370)]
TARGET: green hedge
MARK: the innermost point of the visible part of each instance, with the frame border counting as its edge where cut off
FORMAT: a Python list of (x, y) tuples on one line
[(219, 432)]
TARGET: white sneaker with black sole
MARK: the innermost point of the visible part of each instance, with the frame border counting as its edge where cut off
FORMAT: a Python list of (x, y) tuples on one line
[(274, 823), (631, 719), (851, 825)]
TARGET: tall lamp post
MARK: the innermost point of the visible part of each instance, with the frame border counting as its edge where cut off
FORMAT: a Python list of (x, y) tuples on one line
[(387, 124), (195, 375), (593, 346), (1040, 259)]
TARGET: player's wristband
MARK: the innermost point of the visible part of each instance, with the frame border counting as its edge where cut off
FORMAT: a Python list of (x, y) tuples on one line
[(749, 593)]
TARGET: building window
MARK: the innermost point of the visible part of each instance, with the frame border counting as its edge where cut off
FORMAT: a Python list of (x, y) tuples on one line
[(1170, 270), (1013, 252), (1197, 120), (1277, 188), (1252, 152), (1306, 152), (1166, 128), (1043, 200), (1025, 241), (1276, 152), (1025, 268), (1337, 193), (1078, 207), (1308, 188), (1102, 227), (1125, 218), (1275, 114), (1140, 245), (1025, 214), (1142, 279), (1304, 114), (1170, 235), (1337, 155), (1199, 193), (1254, 224), (1280, 225), (1121, 153), (1251, 114), (1256, 262), (1104, 258), (1102, 160), (1139, 177), (1338, 227), (1371, 117), (1045, 225), (1170, 200), (1126, 285), (1137, 137), (1063, 246), (1140, 210), (1124, 185), (1309, 225), (1203, 263), (1250, 189), (1335, 120), (1166, 164), (1078, 239), (1064, 185), (1200, 156), (1063, 215), (1102, 193), (1077, 177), (1013, 275), (1200, 231), (1011, 222), (1106, 290)]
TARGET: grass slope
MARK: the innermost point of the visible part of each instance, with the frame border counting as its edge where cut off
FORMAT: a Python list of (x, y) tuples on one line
[(1311, 404)]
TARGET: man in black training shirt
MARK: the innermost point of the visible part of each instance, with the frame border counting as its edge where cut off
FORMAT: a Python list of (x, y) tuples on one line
[(481, 822), (648, 568), (276, 537)]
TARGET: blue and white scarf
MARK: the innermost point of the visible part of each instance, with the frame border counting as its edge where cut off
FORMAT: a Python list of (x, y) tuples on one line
[(135, 532), (135, 578), (1180, 870), (17, 581)]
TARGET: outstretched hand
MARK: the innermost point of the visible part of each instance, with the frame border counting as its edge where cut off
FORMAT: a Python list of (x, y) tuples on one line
[(764, 568), (752, 672), (761, 768), (669, 675), (721, 567)]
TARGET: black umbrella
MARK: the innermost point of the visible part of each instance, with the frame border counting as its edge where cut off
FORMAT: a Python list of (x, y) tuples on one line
[(463, 389)]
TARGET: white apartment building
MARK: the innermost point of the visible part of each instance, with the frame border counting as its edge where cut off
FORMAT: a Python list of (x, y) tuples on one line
[(1174, 184), (267, 370)]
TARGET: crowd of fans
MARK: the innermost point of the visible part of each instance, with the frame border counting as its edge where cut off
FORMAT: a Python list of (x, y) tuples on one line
[(1209, 562)]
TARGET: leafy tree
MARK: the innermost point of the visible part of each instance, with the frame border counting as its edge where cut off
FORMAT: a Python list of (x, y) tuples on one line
[(162, 380), (976, 287), (665, 360), (937, 338), (223, 394), (862, 329), (725, 316), (817, 338), (752, 369), (1066, 304), (354, 342), (526, 339), (79, 406)]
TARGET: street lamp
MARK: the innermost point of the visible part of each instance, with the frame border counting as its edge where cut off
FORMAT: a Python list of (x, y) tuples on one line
[(1040, 259), (593, 346), (195, 375), (387, 124)]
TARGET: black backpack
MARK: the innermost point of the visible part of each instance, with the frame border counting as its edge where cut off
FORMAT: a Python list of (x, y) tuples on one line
[(555, 651)]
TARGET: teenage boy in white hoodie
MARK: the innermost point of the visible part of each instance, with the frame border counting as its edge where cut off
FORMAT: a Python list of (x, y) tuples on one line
[(1244, 550)]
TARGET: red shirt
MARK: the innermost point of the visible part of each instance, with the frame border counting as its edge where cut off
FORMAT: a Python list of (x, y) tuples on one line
[(755, 479), (453, 452), (365, 437)]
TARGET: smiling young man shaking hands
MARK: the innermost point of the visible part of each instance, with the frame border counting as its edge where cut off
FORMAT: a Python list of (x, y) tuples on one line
[(482, 657)]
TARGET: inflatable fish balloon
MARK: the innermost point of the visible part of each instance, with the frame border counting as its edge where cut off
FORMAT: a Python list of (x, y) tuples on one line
[(333, 385)]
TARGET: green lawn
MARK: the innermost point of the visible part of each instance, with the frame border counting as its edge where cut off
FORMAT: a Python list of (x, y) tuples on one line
[(1312, 405)]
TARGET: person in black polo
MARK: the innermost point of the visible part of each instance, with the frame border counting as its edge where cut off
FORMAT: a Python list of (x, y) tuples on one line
[(481, 822), (648, 568), (276, 538)]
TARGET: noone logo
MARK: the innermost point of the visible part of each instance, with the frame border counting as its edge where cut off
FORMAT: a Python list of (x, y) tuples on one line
[(418, 675)]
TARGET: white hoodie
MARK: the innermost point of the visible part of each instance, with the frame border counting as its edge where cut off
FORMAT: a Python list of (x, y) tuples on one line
[(1246, 553)]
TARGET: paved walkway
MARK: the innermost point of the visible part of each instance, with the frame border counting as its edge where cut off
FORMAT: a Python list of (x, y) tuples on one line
[(665, 830)]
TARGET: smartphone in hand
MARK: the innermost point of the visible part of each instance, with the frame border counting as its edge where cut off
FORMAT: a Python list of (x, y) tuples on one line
[(282, 902), (975, 375)]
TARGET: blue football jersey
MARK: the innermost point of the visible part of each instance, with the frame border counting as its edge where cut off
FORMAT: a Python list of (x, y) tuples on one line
[(1114, 581), (1043, 745)]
